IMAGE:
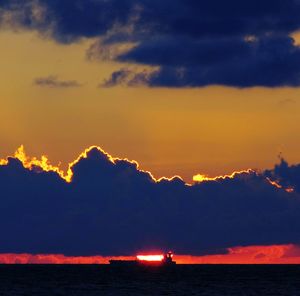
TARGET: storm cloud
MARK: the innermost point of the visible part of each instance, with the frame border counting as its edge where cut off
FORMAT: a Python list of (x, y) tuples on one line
[(190, 43), (110, 207)]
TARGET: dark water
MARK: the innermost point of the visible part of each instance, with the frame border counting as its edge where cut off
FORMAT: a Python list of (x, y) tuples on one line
[(181, 280)]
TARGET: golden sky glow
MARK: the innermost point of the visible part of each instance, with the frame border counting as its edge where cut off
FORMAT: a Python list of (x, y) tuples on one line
[(211, 131)]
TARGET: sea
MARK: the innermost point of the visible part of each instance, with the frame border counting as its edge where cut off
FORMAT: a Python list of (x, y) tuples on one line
[(211, 280)]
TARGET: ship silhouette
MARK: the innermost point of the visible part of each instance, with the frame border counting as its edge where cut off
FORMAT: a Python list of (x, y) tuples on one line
[(158, 260)]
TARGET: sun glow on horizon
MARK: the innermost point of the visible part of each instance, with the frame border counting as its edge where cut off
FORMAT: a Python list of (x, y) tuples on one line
[(273, 254), (152, 258)]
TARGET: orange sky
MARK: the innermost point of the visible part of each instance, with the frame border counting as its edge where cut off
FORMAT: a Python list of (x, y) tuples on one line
[(212, 130)]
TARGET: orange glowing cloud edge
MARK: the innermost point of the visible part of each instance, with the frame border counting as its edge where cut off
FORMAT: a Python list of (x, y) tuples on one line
[(203, 178), (44, 164), (275, 254)]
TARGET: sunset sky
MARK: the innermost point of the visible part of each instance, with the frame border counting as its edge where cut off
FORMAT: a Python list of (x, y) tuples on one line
[(170, 131), (181, 87)]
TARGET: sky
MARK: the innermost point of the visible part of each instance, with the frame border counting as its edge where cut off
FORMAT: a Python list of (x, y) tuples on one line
[(184, 88)]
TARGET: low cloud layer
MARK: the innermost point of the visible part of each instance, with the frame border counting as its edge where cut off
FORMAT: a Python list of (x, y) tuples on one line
[(107, 206), (276, 254), (190, 43)]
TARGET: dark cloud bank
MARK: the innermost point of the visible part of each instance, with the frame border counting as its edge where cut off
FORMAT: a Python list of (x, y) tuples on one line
[(192, 42), (112, 208)]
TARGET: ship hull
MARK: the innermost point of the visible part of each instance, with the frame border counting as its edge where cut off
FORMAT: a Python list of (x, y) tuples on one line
[(137, 263)]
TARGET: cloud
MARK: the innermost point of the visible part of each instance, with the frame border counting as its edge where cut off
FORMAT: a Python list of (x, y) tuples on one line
[(275, 254), (285, 175), (54, 259), (108, 206), (117, 78), (193, 43), (127, 77), (184, 62), (54, 82)]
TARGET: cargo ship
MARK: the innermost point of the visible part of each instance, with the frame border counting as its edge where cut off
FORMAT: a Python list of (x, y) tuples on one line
[(146, 260)]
